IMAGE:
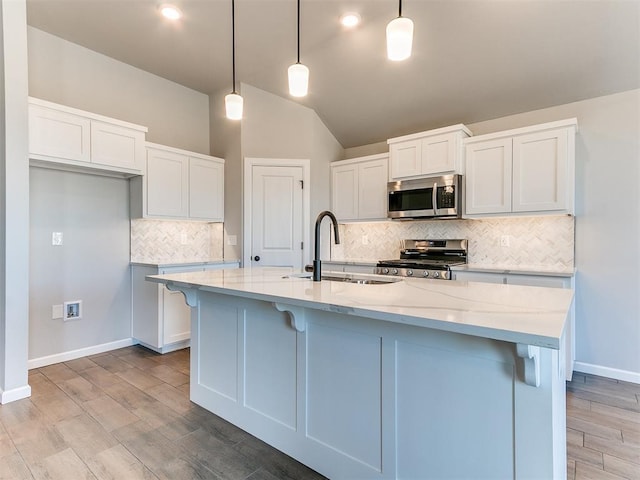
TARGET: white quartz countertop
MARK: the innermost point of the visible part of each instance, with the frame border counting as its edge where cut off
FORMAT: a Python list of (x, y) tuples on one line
[(516, 269), (513, 313), (170, 263)]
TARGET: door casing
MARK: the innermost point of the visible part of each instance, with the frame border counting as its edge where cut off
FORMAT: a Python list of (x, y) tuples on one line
[(248, 197)]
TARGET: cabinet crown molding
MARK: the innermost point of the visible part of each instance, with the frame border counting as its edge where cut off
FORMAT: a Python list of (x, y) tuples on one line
[(92, 116), (569, 122), (438, 131)]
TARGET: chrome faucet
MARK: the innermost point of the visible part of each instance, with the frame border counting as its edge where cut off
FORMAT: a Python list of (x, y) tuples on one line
[(317, 268)]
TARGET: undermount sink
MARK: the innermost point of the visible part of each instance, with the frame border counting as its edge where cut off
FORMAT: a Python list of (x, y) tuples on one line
[(349, 278)]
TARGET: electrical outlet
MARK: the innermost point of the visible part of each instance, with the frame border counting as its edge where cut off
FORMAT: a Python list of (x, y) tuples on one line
[(56, 238), (365, 239), (72, 310), (232, 239), (183, 238), (504, 241)]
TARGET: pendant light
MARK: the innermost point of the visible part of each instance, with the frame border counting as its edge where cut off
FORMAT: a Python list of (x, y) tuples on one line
[(298, 73), (399, 37), (233, 102)]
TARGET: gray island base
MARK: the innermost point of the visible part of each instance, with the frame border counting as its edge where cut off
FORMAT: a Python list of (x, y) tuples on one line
[(418, 379)]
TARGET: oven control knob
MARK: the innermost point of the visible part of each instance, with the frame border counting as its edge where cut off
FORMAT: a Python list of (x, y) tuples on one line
[(426, 273), (436, 274), (409, 273), (385, 270), (394, 271)]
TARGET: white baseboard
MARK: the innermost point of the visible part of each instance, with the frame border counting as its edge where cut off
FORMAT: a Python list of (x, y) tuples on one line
[(81, 352), (15, 394), (624, 375)]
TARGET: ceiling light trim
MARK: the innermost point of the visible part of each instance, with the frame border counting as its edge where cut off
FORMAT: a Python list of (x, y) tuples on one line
[(170, 11)]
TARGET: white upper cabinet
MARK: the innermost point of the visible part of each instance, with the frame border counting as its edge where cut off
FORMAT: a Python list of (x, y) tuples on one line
[(488, 178), (427, 153), (68, 138), (167, 183), (524, 171), (359, 188), (344, 191), (206, 188), (179, 184)]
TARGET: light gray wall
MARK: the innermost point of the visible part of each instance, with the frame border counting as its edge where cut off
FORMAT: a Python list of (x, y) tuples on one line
[(14, 206), (92, 265), (272, 127), (66, 73), (364, 150), (607, 226), (93, 268), (226, 143)]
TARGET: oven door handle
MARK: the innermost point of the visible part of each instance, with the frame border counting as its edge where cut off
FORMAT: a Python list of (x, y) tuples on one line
[(434, 198)]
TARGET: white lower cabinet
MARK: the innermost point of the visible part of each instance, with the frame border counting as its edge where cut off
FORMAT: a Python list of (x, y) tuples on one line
[(551, 281), (161, 318)]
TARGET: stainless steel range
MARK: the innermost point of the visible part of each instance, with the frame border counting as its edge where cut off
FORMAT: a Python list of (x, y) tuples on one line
[(426, 259)]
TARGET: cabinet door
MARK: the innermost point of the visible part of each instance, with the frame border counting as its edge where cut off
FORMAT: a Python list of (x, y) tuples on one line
[(540, 171), (488, 178), (176, 317), (539, 281), (405, 158), (206, 189), (344, 191), (59, 134), (117, 146), (484, 277), (167, 181), (438, 154), (372, 189)]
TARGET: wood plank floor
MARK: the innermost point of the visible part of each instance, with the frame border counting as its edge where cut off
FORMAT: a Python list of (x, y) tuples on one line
[(603, 429), (126, 415)]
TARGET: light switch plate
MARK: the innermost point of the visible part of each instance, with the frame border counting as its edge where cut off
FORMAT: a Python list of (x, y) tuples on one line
[(232, 239), (56, 238)]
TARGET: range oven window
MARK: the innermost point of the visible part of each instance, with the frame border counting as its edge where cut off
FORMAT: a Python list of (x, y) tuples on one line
[(405, 200)]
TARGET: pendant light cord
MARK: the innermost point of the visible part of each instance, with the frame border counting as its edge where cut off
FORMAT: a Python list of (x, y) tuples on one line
[(400, 8), (233, 42), (298, 31)]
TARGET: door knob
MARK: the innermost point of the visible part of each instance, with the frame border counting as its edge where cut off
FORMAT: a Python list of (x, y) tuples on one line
[(257, 258)]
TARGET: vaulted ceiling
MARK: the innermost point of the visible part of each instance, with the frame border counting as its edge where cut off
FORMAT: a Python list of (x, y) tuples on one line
[(472, 59)]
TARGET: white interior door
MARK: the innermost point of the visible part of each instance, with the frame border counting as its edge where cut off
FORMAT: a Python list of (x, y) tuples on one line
[(276, 216)]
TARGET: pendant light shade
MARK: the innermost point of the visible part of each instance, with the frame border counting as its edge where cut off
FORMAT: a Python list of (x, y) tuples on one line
[(298, 80), (399, 37), (233, 102), (298, 73)]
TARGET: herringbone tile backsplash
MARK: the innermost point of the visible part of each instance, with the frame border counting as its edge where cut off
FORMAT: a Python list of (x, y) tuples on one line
[(162, 241), (534, 241)]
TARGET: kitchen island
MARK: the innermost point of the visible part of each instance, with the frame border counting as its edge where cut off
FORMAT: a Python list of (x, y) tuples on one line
[(414, 379)]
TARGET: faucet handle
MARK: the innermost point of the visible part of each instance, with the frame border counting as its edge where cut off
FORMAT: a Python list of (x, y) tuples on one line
[(308, 268)]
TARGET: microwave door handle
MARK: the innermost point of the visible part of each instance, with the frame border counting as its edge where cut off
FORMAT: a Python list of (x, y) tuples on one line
[(434, 198)]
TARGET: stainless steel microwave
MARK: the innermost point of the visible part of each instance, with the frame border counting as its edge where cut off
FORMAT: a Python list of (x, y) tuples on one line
[(433, 197)]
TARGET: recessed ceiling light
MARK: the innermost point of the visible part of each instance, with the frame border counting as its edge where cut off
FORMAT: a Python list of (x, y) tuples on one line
[(350, 20), (170, 11)]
